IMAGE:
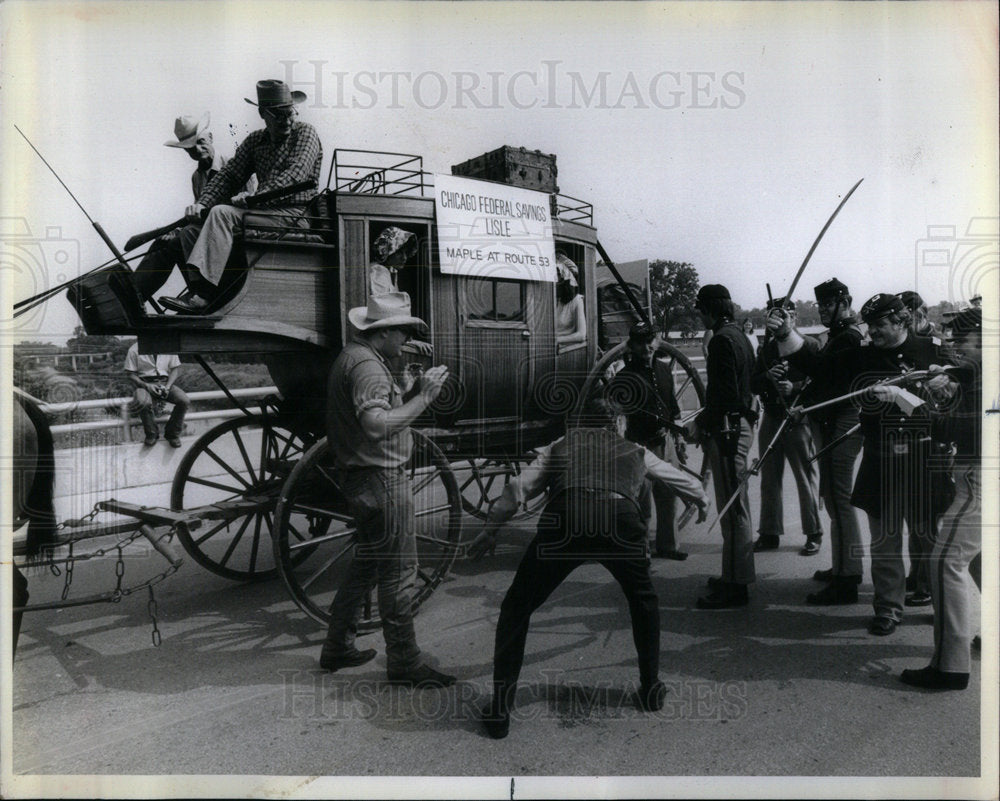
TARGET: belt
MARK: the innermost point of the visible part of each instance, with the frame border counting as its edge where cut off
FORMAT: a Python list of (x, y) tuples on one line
[(599, 494)]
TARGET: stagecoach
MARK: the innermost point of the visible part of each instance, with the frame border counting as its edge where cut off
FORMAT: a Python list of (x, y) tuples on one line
[(254, 496)]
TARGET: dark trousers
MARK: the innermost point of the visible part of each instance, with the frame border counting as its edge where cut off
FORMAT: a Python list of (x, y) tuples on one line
[(737, 535), (167, 252), (574, 530), (836, 482)]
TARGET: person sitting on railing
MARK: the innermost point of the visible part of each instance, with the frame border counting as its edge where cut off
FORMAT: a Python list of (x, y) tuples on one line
[(283, 153), (155, 377), (571, 319), (171, 249)]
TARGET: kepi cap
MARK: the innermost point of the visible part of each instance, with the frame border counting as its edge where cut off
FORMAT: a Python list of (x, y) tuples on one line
[(711, 292), (911, 300), (831, 289), (879, 306)]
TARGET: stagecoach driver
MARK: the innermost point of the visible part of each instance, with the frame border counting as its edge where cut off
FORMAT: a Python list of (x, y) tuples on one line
[(286, 151), (368, 427)]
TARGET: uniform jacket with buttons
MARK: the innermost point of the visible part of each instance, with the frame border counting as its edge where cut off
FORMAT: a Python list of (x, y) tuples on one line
[(830, 374), (729, 363)]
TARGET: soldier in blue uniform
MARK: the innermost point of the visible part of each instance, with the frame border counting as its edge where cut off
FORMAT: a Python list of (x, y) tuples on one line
[(644, 390), (894, 480), (726, 427), (594, 476), (829, 380)]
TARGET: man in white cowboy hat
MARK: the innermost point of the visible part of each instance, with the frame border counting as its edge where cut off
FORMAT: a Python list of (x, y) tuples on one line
[(170, 250), (284, 152), (368, 428)]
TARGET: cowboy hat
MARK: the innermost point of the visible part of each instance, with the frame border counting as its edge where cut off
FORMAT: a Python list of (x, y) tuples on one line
[(273, 93), (187, 130), (388, 310)]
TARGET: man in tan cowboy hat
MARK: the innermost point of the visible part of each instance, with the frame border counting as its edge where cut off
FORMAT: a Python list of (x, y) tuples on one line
[(368, 428), (282, 153), (170, 250)]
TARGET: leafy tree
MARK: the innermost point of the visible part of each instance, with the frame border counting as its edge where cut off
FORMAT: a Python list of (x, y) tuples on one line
[(674, 287), (82, 342)]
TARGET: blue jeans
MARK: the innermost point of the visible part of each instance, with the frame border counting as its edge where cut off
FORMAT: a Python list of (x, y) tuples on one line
[(381, 502), (147, 411)]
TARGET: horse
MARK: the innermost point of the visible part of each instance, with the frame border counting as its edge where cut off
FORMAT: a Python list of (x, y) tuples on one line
[(33, 483)]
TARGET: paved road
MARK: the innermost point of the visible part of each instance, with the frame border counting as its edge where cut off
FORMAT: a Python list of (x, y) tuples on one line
[(779, 689)]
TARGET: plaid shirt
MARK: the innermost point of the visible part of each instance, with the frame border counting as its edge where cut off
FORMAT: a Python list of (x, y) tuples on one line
[(297, 158)]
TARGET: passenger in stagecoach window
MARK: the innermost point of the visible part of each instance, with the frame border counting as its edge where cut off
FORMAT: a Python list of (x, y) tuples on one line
[(391, 250), (571, 320), (170, 250), (284, 152)]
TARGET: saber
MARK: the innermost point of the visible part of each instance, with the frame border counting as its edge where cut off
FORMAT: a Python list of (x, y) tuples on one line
[(843, 437), (833, 216)]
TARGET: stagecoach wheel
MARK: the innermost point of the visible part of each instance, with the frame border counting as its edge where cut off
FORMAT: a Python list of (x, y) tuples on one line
[(314, 534), (481, 482), (689, 390), (242, 463)]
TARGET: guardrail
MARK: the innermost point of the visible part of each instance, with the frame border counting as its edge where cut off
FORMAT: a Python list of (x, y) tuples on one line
[(125, 418)]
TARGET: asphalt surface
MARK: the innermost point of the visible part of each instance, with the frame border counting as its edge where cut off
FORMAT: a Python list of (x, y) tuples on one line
[(778, 689)]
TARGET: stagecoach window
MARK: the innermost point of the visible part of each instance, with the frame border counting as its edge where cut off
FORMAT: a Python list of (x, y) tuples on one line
[(491, 299)]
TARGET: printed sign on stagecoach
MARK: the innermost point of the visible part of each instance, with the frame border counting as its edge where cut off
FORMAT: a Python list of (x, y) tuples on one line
[(486, 229)]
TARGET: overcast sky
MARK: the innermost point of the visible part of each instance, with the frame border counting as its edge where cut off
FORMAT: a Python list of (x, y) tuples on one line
[(719, 134)]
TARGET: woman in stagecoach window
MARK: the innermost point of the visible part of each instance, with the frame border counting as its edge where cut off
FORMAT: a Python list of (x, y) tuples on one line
[(571, 321), (390, 252)]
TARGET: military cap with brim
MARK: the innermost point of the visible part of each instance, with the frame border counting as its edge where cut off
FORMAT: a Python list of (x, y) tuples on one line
[(831, 289), (712, 292), (272, 93), (911, 300), (879, 306), (966, 322), (642, 332), (388, 310)]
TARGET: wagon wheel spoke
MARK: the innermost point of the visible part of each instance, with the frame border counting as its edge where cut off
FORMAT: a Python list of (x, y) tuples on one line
[(324, 567), (204, 537), (424, 576), (312, 543), (256, 541), (432, 510), (426, 481), (236, 491), (435, 541), (236, 539), (225, 466), (246, 456)]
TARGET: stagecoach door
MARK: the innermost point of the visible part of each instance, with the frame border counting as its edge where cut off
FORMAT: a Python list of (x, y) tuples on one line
[(497, 322)]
